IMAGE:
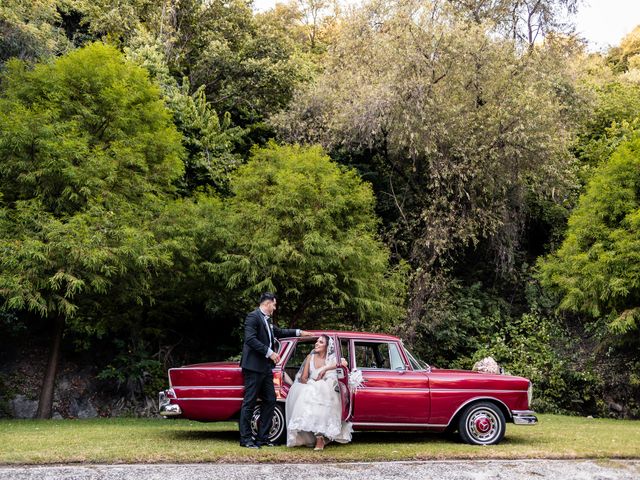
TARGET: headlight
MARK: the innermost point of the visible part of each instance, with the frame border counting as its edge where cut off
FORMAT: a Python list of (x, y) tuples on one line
[(530, 393)]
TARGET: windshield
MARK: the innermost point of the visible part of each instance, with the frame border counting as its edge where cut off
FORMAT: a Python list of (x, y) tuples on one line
[(415, 362)]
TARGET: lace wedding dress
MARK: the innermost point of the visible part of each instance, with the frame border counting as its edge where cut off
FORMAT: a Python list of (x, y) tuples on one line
[(314, 408)]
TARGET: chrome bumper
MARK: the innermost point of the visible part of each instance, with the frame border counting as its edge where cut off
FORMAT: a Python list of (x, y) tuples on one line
[(165, 407), (524, 417)]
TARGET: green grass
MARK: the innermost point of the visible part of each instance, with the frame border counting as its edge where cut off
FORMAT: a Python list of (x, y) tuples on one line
[(150, 440)]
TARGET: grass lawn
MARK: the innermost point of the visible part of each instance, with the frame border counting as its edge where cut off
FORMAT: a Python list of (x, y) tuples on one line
[(151, 440)]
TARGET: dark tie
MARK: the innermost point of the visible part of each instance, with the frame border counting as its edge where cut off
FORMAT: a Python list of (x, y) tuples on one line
[(270, 331)]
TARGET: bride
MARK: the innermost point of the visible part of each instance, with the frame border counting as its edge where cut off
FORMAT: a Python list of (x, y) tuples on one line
[(313, 407)]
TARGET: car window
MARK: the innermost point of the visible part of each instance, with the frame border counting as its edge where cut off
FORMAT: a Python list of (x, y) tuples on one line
[(301, 349), (344, 351), (379, 355), (415, 362), (396, 360)]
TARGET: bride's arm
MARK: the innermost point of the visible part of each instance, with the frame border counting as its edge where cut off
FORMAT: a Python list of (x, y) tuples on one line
[(325, 369), (305, 371)]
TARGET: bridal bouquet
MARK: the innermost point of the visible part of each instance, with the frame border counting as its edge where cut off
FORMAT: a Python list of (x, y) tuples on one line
[(355, 379)]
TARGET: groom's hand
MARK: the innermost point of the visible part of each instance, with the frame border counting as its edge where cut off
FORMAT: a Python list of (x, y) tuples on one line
[(304, 333), (275, 357)]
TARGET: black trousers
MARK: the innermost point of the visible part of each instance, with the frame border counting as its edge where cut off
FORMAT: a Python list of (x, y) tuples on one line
[(257, 384)]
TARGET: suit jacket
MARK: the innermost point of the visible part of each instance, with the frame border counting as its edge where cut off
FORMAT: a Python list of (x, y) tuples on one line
[(256, 342)]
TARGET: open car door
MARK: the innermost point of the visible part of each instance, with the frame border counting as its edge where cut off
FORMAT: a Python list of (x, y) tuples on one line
[(345, 394)]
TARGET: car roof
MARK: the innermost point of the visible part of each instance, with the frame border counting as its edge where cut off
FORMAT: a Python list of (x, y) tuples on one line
[(355, 335)]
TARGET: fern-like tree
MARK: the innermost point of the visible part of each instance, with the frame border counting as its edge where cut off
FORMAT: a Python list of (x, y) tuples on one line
[(88, 156), (597, 268), (304, 227)]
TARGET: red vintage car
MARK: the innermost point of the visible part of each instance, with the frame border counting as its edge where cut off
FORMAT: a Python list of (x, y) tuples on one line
[(398, 392)]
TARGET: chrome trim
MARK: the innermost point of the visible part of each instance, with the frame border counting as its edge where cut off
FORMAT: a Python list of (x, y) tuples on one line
[(524, 417), (393, 389), (380, 424), (215, 387), (207, 368), (371, 369), (475, 390), (212, 398), (170, 410), (165, 407)]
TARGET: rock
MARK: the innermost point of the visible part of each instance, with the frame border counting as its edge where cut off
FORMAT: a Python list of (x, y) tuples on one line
[(81, 408), (486, 365), (616, 407), (22, 407)]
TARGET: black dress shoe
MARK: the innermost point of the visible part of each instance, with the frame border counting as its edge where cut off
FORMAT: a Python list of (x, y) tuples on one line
[(249, 445), (267, 444)]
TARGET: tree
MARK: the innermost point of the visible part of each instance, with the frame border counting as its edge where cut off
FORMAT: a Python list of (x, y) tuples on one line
[(310, 24), (304, 227), (613, 111), (457, 130), (627, 54), (596, 271), (31, 30), (88, 157), (212, 143), (525, 21), (248, 68)]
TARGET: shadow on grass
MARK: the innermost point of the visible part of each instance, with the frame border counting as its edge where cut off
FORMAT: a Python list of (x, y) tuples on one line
[(221, 435), (399, 437), (359, 437)]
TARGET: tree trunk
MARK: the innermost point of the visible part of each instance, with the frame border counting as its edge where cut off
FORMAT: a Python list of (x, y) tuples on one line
[(45, 402)]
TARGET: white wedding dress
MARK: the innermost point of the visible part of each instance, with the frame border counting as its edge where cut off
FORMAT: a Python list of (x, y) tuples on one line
[(314, 408)]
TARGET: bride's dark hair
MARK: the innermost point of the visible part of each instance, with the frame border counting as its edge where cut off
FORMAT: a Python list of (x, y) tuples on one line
[(326, 341)]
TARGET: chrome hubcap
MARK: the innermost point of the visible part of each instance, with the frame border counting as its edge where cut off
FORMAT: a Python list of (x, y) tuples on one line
[(483, 425), (277, 424)]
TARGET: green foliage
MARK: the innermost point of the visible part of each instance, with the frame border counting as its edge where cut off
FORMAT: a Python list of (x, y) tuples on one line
[(115, 23), (88, 155), (125, 207), (461, 135), (625, 56), (31, 30), (526, 21), (247, 68), (597, 269), (535, 347), (212, 144), (460, 321), (135, 370), (304, 227), (468, 323), (613, 120), (310, 24)]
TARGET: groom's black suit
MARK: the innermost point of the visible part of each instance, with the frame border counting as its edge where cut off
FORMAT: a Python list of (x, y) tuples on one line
[(258, 374)]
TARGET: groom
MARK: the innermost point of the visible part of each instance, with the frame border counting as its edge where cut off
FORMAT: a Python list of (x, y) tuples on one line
[(258, 360)]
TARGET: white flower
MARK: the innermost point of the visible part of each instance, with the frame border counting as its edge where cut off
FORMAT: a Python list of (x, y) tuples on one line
[(355, 379)]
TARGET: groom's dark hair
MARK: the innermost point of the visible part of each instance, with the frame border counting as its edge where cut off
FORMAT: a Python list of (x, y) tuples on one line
[(267, 296)]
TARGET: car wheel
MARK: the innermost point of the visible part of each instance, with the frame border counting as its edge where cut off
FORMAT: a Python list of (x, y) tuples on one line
[(278, 432), (481, 424)]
